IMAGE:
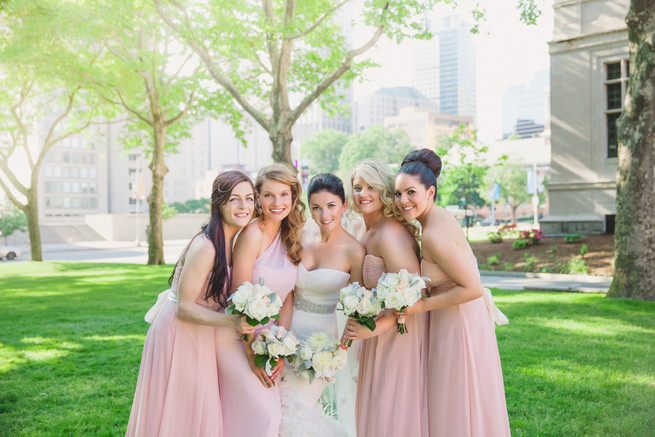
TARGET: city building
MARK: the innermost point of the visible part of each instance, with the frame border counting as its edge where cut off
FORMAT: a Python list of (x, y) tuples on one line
[(426, 126), (526, 108), (443, 68), (374, 108), (589, 75)]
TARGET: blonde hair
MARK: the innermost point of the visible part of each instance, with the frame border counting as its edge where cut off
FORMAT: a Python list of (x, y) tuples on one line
[(291, 229), (379, 176)]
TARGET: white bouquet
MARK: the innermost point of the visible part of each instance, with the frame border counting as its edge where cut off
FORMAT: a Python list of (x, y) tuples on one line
[(320, 357), (360, 304), (257, 302), (272, 344), (399, 291)]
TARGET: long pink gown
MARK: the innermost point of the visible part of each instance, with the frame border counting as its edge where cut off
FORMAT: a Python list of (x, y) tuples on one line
[(466, 396), (177, 393), (391, 389), (249, 408)]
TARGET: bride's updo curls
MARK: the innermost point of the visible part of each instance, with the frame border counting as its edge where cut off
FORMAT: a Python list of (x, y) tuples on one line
[(423, 163)]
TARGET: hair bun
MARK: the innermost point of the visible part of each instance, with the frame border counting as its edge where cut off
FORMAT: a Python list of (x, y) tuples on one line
[(426, 157)]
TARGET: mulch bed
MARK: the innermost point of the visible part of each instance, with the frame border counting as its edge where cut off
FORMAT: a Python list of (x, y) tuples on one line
[(551, 254)]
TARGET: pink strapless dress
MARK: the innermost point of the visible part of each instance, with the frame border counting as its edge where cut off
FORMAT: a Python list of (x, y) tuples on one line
[(466, 396), (249, 408), (391, 389), (177, 390)]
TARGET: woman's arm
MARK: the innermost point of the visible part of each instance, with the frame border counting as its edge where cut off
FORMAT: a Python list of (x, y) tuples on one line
[(197, 266), (244, 255), (453, 256), (356, 253), (286, 312)]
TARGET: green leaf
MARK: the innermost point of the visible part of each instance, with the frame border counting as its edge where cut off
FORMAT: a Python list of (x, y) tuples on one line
[(260, 360)]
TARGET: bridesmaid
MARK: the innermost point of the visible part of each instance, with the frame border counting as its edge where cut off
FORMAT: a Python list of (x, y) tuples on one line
[(177, 392), (466, 396), (391, 386), (269, 248)]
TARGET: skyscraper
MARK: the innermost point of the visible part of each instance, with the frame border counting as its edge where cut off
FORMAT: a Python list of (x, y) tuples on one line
[(450, 57)]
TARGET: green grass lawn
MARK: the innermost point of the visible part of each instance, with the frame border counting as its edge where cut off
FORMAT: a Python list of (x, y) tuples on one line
[(71, 336)]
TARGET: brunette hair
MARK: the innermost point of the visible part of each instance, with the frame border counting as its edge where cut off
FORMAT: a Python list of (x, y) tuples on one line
[(220, 279), (291, 228), (326, 182), (425, 164), (379, 176)]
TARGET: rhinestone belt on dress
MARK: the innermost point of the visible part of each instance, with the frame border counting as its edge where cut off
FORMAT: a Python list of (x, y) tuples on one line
[(308, 306)]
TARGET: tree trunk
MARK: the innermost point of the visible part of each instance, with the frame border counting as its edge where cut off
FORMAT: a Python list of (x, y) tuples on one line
[(156, 197), (32, 212), (634, 237), (281, 137)]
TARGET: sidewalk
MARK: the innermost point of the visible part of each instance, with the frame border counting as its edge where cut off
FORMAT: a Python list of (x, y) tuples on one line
[(128, 252), (545, 282)]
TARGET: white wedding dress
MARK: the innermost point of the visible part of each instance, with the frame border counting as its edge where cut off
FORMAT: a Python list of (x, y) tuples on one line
[(316, 294)]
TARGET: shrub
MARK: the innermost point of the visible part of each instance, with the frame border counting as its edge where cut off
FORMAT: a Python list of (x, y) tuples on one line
[(530, 262), (533, 236), (508, 266), (573, 238), (583, 250), (551, 251), (520, 244), (494, 259), (577, 266), (495, 237)]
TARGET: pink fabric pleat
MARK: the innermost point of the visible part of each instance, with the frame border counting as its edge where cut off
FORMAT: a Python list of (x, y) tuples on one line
[(466, 396), (391, 389), (177, 392)]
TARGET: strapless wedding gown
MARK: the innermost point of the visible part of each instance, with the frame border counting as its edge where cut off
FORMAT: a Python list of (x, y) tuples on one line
[(315, 298)]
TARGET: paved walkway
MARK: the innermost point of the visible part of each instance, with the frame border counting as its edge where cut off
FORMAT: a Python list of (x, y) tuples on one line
[(129, 252)]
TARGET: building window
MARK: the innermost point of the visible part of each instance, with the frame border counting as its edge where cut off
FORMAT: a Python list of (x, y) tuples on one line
[(616, 85)]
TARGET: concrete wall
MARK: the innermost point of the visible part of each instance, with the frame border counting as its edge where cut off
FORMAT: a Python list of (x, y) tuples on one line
[(587, 35), (123, 227)]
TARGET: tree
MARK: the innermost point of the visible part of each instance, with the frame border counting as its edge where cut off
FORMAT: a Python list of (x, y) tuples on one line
[(11, 221), (378, 142), (463, 171), (513, 179), (40, 105), (634, 237), (323, 150), (271, 54), (144, 71)]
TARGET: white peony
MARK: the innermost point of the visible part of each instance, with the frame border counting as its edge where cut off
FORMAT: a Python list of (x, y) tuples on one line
[(240, 298), (410, 296), (364, 306), (322, 360), (340, 358), (350, 304), (273, 308), (290, 343), (305, 353), (275, 350), (393, 301), (319, 340), (258, 347), (257, 309)]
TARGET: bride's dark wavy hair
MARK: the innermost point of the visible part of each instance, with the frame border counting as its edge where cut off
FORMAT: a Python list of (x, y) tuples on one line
[(220, 279)]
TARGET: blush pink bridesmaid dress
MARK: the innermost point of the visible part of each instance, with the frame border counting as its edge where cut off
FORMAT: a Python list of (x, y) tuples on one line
[(466, 396), (391, 389), (249, 408), (177, 393)]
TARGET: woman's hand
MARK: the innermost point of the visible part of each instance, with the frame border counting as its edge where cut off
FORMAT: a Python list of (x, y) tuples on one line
[(241, 326), (356, 331), (260, 372), (410, 310)]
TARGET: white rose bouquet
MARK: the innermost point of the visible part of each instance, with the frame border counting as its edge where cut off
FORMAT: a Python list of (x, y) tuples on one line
[(360, 304), (272, 344), (399, 291), (320, 357), (257, 302)]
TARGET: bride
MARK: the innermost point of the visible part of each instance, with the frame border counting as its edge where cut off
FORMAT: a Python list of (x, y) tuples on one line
[(326, 266)]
